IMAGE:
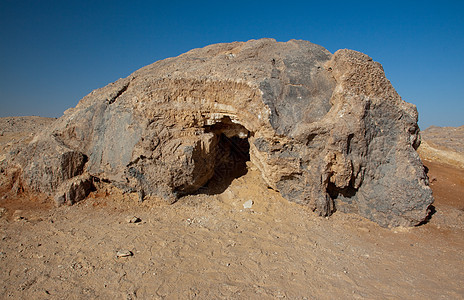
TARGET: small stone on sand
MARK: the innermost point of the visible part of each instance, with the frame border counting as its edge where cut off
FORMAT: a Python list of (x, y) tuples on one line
[(123, 253), (248, 204), (133, 219)]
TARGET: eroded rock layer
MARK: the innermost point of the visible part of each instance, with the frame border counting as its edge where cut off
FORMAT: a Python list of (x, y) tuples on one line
[(326, 130)]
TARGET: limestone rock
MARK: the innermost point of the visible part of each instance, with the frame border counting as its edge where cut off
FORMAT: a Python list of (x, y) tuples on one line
[(73, 190), (248, 204), (47, 163), (123, 253), (326, 130)]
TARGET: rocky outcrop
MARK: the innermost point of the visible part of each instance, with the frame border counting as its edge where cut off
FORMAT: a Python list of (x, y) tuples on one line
[(73, 190), (326, 130)]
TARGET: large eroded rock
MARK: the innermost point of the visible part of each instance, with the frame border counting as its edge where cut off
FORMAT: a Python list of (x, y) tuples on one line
[(326, 130)]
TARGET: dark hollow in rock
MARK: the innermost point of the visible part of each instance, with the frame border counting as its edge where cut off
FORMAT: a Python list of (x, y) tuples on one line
[(232, 154), (325, 130)]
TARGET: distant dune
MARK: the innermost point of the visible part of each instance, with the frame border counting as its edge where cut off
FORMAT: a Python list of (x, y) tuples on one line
[(29, 124), (443, 145)]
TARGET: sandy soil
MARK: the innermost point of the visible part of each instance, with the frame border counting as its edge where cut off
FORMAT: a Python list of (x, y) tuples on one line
[(211, 247)]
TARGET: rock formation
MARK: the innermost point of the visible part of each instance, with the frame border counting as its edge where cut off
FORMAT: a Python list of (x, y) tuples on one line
[(325, 130)]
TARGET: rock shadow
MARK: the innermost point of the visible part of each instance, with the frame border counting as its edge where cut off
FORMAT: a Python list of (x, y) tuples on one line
[(230, 163)]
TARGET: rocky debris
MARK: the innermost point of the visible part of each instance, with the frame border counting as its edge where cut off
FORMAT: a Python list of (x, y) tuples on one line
[(18, 215), (73, 190), (17, 132), (131, 295), (133, 219), (325, 130), (10, 182), (123, 253)]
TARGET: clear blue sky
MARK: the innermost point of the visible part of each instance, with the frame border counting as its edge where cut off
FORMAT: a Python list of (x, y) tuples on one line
[(52, 53)]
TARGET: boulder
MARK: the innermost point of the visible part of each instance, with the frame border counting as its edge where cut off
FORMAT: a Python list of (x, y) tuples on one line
[(325, 130), (47, 164), (73, 190)]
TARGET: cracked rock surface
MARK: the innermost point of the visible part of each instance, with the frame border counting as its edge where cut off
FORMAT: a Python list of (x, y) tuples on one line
[(325, 130)]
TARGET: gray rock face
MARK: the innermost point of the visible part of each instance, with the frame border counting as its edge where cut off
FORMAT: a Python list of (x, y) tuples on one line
[(326, 130)]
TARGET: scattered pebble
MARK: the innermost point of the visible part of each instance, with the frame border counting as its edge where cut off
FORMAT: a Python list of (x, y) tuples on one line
[(133, 219), (248, 204), (18, 215), (20, 218), (123, 253)]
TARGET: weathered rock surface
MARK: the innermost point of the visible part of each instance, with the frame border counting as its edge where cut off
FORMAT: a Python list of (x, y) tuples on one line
[(326, 130), (74, 190)]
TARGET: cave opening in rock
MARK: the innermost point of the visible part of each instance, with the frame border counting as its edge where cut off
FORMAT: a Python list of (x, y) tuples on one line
[(342, 197), (231, 155)]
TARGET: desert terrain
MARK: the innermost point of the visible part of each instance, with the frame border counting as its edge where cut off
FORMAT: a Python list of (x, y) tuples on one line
[(213, 245)]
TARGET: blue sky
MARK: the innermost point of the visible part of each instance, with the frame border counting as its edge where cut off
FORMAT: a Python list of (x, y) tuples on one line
[(52, 53)]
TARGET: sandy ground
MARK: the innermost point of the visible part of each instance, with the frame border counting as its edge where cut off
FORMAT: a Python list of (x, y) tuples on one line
[(211, 247)]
